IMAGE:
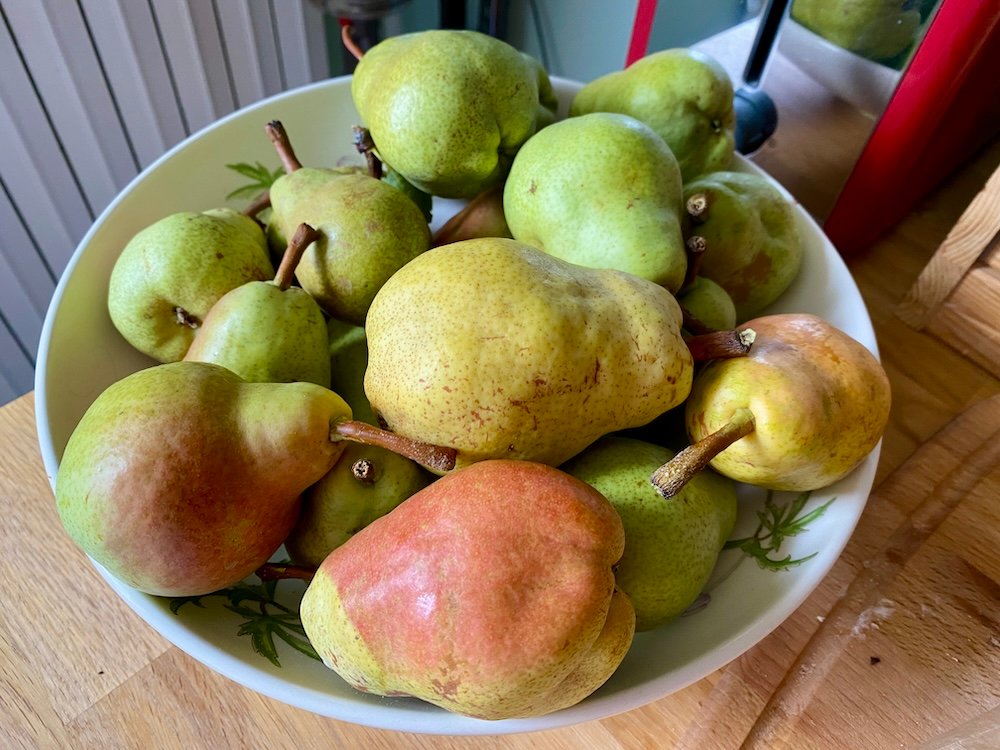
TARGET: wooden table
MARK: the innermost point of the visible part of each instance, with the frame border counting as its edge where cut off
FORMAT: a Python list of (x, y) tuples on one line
[(899, 646)]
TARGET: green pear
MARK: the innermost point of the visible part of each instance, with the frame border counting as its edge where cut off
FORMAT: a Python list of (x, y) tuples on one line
[(348, 348), (366, 482), (684, 95), (499, 350), (670, 547), (875, 29), (182, 479), (368, 229), (448, 109), (268, 331), (490, 593), (600, 190), (805, 406), (753, 246), (708, 304), (170, 274)]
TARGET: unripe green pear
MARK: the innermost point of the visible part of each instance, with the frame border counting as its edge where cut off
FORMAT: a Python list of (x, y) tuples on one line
[(368, 230), (182, 479), (708, 303), (448, 109), (671, 546), (171, 273), (875, 29), (753, 246), (684, 95), (268, 331), (603, 191)]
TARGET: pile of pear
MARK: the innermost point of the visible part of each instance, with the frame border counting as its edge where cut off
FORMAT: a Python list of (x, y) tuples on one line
[(467, 440)]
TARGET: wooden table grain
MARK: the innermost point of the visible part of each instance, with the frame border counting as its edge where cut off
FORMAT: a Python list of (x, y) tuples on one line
[(899, 647)]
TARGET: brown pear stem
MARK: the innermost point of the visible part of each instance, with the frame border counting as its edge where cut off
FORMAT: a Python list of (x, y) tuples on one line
[(697, 207), (365, 145), (452, 230), (670, 478), (276, 132), (279, 572), (436, 458), (304, 236), (720, 344), (695, 247), (259, 203), (349, 43)]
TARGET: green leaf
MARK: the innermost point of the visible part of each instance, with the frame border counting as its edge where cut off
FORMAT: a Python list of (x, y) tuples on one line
[(264, 618), (261, 632), (261, 178), (775, 522)]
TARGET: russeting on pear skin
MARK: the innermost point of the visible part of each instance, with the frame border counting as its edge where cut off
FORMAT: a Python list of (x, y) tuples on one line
[(499, 350)]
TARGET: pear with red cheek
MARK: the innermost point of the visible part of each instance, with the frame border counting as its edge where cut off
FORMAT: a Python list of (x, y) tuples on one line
[(490, 593)]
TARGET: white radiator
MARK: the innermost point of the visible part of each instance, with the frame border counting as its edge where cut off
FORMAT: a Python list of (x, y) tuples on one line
[(92, 91)]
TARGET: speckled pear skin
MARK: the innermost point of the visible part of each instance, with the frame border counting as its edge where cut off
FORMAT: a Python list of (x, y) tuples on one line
[(671, 547), (369, 229), (875, 29), (448, 109), (265, 335), (820, 400), (186, 260), (499, 350), (601, 190), (754, 247), (709, 303), (182, 479), (684, 95), (489, 594)]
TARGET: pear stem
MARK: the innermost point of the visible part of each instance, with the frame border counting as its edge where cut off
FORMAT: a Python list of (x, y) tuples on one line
[(349, 43), (304, 236), (670, 478), (365, 145), (436, 458), (278, 572), (276, 132), (259, 203), (452, 230), (697, 207), (720, 344), (695, 247)]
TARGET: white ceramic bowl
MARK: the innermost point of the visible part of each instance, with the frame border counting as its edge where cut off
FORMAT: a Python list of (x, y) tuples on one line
[(81, 354)]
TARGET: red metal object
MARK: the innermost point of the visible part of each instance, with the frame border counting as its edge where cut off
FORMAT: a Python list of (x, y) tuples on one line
[(638, 46), (945, 108)]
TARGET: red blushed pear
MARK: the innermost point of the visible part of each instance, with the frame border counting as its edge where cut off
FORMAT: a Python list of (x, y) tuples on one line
[(183, 478), (800, 411), (490, 593)]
